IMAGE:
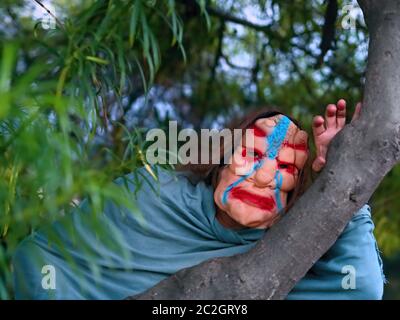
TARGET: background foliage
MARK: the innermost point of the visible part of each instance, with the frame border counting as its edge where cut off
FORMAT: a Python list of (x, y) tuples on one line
[(79, 87)]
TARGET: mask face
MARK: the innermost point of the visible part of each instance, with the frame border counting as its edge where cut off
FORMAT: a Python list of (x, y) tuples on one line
[(253, 189)]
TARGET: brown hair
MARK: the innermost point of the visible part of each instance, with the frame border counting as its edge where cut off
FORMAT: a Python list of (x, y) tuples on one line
[(209, 173)]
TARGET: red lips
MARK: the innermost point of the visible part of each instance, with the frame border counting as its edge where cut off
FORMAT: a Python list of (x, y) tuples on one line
[(265, 203)]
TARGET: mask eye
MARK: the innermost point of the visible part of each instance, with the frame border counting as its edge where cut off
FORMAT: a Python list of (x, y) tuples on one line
[(288, 167)]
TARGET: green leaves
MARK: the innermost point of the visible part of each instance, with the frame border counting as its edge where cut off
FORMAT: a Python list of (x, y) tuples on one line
[(97, 60), (61, 91), (6, 71), (136, 11), (202, 4)]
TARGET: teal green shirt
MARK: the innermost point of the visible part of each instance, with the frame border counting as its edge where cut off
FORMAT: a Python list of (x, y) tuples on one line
[(123, 253)]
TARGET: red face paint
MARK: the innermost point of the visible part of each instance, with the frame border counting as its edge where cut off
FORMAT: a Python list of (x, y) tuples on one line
[(255, 154), (298, 146), (287, 166), (257, 131), (265, 203)]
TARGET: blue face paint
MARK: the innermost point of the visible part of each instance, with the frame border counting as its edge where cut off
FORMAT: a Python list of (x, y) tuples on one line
[(274, 143), (275, 139), (256, 166), (278, 183)]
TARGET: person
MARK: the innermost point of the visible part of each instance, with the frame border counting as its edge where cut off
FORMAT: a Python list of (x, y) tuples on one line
[(190, 216)]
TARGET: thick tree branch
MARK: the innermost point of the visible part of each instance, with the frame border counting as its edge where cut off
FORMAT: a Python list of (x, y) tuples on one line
[(358, 159)]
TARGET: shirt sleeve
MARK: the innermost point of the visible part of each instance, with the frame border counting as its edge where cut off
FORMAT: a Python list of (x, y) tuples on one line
[(350, 270)]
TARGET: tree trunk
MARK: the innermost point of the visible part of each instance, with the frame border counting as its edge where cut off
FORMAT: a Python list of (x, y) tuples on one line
[(358, 159)]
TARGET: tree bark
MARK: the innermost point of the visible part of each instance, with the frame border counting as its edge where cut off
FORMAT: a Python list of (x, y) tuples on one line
[(358, 159)]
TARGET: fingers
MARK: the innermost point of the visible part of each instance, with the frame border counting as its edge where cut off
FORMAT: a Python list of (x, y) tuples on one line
[(341, 113), (318, 126), (335, 115), (330, 116), (324, 130), (318, 164), (357, 112), (320, 160)]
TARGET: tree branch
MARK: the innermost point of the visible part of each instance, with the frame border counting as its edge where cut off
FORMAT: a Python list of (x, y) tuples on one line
[(234, 66), (218, 53), (328, 31), (231, 18), (225, 16)]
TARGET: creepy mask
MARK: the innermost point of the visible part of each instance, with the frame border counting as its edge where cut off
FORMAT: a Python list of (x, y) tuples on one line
[(253, 189)]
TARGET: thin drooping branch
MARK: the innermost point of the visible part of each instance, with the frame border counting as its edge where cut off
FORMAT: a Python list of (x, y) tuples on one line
[(303, 77), (218, 55), (358, 159), (234, 66), (231, 18), (328, 30), (228, 17)]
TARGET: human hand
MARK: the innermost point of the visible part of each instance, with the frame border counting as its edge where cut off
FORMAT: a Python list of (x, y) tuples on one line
[(324, 130)]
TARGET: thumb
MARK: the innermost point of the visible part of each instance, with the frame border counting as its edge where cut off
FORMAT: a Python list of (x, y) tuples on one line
[(318, 163)]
